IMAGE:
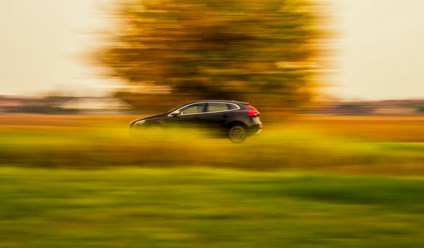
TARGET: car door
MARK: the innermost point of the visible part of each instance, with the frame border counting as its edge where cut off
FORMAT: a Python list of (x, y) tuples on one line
[(189, 116), (216, 116)]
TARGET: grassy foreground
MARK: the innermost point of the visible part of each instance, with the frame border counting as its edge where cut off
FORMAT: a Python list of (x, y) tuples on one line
[(206, 208), (83, 181)]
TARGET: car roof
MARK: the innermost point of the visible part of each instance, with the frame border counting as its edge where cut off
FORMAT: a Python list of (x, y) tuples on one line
[(229, 101), (206, 101)]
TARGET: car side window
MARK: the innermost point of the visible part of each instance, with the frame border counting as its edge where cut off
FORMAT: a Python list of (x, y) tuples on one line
[(193, 109), (217, 106), (232, 106)]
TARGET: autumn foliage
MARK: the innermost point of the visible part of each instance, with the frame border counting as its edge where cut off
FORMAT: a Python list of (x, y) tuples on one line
[(257, 49)]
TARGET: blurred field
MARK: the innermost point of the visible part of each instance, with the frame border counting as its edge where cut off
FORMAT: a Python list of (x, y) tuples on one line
[(312, 181), (370, 128), (206, 208), (371, 145)]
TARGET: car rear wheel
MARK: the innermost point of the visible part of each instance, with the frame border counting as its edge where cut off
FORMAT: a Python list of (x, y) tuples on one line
[(237, 134)]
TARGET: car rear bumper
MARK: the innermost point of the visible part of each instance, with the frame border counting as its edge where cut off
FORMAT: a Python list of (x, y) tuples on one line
[(254, 129)]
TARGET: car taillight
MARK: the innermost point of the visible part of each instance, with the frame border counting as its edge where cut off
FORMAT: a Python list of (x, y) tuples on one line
[(252, 111)]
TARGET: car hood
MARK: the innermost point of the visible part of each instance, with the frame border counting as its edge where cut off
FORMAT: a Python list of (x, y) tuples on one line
[(152, 117)]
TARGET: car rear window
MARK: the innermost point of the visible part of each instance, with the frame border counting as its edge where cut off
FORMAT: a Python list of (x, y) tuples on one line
[(217, 106), (232, 106), (221, 106)]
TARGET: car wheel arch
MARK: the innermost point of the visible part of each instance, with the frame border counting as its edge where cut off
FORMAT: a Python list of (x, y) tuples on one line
[(235, 123)]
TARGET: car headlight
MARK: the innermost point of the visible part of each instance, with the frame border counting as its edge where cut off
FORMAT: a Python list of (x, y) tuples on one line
[(139, 123)]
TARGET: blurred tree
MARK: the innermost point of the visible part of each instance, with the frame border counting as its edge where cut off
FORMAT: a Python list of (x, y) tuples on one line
[(219, 49)]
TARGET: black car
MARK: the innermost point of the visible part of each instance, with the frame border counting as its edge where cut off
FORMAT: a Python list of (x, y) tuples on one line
[(237, 120)]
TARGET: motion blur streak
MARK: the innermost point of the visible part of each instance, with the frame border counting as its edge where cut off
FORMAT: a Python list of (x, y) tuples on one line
[(267, 51), (346, 144), (83, 181), (206, 208), (311, 181)]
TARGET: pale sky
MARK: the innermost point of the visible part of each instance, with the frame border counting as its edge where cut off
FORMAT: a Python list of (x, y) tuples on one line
[(41, 42), (380, 49)]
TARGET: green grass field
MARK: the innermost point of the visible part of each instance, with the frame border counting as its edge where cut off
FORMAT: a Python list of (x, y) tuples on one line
[(83, 181), (207, 208)]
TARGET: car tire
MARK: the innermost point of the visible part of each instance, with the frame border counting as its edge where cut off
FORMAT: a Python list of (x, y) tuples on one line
[(237, 133)]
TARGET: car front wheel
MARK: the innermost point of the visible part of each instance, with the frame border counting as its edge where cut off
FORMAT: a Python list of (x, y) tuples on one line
[(237, 134)]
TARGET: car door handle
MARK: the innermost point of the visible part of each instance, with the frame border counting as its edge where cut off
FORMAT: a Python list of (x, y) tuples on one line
[(225, 116)]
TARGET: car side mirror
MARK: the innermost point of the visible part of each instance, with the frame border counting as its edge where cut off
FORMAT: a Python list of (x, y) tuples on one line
[(175, 113)]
